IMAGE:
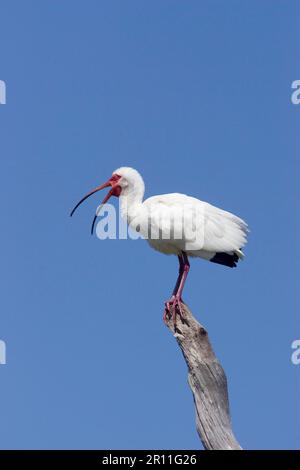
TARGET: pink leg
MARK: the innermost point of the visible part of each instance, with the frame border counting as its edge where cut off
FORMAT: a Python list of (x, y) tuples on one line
[(169, 303), (173, 305)]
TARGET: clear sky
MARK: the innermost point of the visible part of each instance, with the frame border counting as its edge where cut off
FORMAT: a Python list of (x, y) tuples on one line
[(196, 96)]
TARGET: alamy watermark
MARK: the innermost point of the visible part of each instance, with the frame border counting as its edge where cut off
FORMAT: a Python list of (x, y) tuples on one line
[(186, 222), (295, 96), (2, 352), (2, 92)]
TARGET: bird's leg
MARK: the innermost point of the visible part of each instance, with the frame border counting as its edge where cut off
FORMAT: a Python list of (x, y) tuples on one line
[(170, 302), (178, 296), (174, 304), (186, 268)]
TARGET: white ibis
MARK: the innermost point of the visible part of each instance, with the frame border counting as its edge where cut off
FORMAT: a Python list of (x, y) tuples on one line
[(176, 224)]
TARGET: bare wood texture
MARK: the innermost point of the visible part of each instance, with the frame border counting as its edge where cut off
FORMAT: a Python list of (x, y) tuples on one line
[(208, 383)]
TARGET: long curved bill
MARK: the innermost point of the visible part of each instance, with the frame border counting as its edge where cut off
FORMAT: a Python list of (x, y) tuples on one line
[(109, 194), (102, 186)]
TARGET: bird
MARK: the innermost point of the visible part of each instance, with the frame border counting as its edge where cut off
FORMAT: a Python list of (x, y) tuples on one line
[(175, 224)]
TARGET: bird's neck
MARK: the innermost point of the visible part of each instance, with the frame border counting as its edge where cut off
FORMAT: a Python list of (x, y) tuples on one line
[(131, 202)]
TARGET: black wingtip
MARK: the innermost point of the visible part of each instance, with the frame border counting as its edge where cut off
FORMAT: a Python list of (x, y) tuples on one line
[(226, 259)]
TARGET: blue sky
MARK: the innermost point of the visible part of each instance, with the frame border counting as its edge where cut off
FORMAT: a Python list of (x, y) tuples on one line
[(196, 96)]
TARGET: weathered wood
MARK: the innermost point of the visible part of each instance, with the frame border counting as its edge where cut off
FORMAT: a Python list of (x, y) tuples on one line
[(208, 383)]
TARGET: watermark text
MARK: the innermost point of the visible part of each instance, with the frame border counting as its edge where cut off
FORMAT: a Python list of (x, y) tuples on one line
[(295, 358), (2, 92), (295, 96), (186, 223), (2, 352)]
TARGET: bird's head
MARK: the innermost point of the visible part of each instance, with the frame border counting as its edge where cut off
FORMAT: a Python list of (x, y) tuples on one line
[(122, 182)]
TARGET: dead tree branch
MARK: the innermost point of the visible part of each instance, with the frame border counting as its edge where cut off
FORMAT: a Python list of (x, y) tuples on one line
[(208, 383)]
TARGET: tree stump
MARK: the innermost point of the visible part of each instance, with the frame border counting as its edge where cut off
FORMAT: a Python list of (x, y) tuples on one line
[(208, 383)]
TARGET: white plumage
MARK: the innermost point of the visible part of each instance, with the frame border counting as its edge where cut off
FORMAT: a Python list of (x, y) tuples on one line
[(218, 231), (176, 224)]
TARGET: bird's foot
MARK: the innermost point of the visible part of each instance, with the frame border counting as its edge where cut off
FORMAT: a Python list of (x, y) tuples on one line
[(172, 308)]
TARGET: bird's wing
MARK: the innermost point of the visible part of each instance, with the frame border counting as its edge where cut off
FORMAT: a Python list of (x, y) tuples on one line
[(163, 216), (223, 231), (201, 225)]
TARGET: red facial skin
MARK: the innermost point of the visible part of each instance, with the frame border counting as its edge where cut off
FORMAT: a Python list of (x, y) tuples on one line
[(116, 190)]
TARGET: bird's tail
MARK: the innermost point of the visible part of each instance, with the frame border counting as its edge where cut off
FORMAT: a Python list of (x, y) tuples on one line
[(240, 254), (228, 259)]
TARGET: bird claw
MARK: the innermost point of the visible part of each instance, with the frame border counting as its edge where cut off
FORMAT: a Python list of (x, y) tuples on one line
[(172, 308)]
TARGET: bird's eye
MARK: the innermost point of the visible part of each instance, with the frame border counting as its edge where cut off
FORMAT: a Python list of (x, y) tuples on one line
[(115, 177)]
